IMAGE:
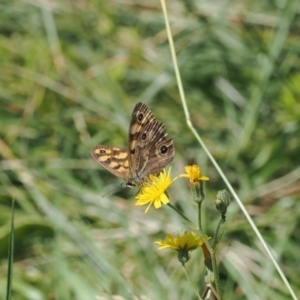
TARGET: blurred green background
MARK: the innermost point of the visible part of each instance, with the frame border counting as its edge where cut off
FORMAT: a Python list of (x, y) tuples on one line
[(71, 73)]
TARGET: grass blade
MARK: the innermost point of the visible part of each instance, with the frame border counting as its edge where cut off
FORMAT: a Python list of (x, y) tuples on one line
[(10, 254)]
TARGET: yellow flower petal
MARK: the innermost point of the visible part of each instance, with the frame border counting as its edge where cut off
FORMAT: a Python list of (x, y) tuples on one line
[(157, 204), (164, 199), (154, 191), (194, 174), (183, 243), (187, 241)]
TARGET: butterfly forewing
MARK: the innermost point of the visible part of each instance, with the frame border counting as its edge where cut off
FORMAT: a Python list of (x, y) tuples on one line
[(113, 159), (149, 149)]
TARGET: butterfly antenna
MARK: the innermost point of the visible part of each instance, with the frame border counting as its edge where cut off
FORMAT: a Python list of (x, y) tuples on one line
[(110, 191)]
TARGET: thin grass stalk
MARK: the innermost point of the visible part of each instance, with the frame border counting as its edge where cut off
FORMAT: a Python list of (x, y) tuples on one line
[(197, 136), (10, 252)]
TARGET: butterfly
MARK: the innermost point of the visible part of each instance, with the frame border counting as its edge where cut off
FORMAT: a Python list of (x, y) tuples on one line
[(148, 152)]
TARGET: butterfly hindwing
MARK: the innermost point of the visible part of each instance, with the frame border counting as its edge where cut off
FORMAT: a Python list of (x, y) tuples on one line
[(141, 116), (161, 149), (150, 148)]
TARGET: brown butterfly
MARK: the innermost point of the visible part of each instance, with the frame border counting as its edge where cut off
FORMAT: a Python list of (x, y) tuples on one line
[(149, 150)]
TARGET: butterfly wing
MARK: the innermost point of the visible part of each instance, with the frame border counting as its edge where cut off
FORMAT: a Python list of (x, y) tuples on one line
[(150, 150), (160, 148), (113, 159)]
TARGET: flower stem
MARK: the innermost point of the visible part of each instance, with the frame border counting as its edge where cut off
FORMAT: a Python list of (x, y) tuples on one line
[(216, 274), (214, 260), (199, 216), (181, 214), (192, 284), (215, 241), (212, 268)]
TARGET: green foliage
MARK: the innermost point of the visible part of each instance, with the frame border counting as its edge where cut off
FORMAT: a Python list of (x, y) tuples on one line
[(70, 76)]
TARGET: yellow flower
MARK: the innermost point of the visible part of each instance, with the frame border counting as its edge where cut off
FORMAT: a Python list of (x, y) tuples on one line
[(154, 192), (188, 241), (194, 174), (182, 243)]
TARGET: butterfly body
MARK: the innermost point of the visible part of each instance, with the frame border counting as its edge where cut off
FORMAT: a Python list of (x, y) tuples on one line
[(148, 152)]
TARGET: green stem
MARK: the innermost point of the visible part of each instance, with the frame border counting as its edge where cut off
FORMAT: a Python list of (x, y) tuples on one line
[(215, 240), (192, 284), (181, 214), (215, 280), (199, 215), (216, 274), (212, 251)]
